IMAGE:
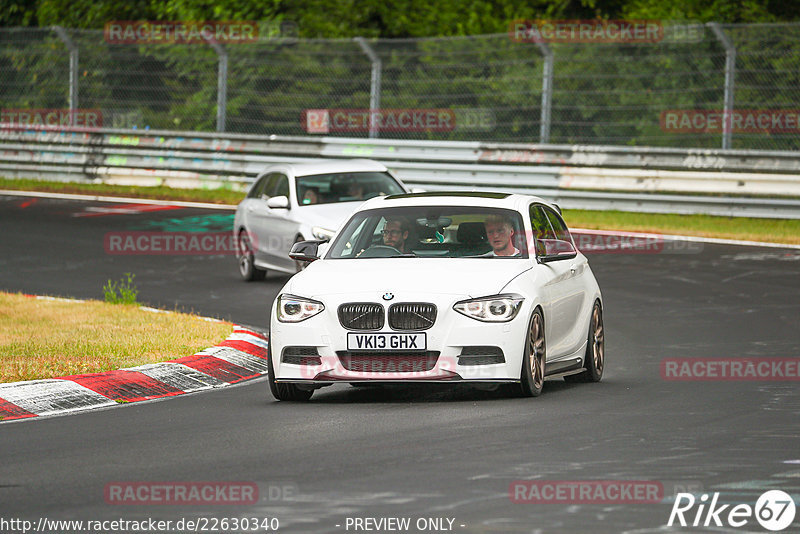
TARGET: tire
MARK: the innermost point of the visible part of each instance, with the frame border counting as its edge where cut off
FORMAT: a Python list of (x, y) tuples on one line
[(533, 359), (247, 268), (594, 360), (285, 392)]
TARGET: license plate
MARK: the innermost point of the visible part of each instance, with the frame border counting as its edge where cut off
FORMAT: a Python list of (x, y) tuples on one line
[(386, 341)]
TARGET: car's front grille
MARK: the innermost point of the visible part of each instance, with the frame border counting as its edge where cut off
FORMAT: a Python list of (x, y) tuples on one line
[(477, 355), (388, 362), (412, 315), (361, 316), (301, 356)]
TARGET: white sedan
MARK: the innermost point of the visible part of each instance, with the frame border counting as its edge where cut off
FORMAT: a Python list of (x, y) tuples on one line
[(485, 288), (296, 202)]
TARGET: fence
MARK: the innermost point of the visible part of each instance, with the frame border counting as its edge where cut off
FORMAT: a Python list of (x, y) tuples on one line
[(496, 88)]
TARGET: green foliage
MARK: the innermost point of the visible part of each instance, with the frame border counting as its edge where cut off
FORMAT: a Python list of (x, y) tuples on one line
[(723, 11), (122, 292), (17, 13), (376, 18), (91, 13)]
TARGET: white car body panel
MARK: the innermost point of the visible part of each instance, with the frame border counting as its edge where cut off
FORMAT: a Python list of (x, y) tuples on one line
[(564, 290)]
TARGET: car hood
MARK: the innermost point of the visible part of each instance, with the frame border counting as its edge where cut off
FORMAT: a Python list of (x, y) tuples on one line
[(328, 216), (469, 277)]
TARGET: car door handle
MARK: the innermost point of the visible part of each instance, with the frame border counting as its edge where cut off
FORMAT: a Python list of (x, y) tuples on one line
[(573, 268)]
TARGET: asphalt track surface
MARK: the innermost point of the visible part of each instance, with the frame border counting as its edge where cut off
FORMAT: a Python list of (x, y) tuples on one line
[(420, 452)]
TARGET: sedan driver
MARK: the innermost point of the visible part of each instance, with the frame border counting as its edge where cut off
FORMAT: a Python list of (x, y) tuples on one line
[(395, 233), (500, 231)]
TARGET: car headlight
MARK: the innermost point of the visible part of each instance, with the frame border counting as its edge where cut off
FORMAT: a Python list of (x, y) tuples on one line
[(494, 309), (293, 309), (322, 233)]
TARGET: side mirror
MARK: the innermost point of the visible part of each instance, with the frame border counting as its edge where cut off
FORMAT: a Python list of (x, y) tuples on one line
[(548, 250), (306, 250), (281, 202)]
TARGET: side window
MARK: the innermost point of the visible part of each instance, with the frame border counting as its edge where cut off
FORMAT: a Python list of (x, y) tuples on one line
[(258, 189), (360, 239), (281, 187), (559, 225), (269, 185), (540, 224)]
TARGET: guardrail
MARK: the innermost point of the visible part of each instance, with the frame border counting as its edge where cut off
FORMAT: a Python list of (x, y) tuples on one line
[(663, 180)]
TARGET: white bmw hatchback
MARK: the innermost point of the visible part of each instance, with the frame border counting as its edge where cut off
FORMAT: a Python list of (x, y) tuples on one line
[(300, 201), (484, 288)]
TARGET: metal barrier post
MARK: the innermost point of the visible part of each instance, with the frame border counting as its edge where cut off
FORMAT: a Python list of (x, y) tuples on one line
[(547, 92), (73, 66), (730, 73), (222, 84), (375, 83)]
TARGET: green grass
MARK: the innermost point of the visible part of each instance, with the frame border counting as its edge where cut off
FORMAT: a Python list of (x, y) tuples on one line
[(213, 196), (122, 292), (51, 338), (745, 228)]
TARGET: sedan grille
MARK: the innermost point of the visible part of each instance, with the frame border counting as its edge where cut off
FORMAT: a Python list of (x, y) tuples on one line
[(361, 316), (412, 316), (388, 362)]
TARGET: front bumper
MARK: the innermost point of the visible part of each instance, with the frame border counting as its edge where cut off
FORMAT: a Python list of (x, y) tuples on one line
[(451, 338)]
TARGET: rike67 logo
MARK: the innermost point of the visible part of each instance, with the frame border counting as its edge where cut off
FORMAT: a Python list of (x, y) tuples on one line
[(774, 510)]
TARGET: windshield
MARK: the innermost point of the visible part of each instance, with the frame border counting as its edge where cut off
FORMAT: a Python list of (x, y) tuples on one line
[(432, 232), (345, 187)]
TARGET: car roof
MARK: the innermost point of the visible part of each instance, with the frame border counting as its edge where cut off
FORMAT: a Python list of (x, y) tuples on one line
[(326, 166), (457, 198)]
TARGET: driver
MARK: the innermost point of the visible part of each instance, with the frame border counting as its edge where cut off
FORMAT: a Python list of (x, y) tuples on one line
[(395, 233), (500, 231), (355, 189), (311, 196)]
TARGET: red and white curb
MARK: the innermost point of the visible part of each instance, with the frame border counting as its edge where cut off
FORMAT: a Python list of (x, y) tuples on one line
[(242, 356)]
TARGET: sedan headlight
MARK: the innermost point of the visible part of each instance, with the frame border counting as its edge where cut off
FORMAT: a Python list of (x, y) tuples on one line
[(322, 233), (494, 309), (293, 309)]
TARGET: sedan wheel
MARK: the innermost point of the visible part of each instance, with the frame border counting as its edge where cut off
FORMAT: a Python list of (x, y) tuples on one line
[(247, 268), (533, 361), (594, 360)]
